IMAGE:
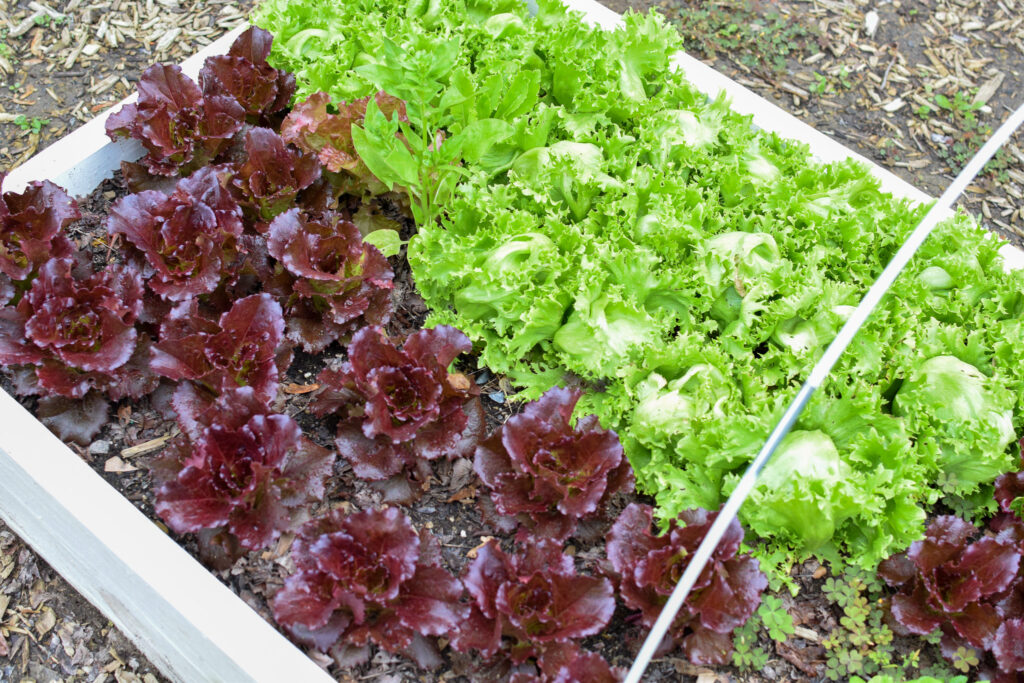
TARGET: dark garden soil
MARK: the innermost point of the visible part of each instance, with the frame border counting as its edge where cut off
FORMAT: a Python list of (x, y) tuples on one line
[(920, 49)]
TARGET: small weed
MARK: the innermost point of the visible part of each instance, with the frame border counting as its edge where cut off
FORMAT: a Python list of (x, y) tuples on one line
[(14, 87), (761, 41), (960, 112), (35, 124), (5, 50), (43, 20), (821, 86), (864, 645), (747, 655), (844, 79), (775, 619)]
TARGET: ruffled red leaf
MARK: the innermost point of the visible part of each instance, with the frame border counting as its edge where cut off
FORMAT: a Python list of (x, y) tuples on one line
[(966, 588), (1009, 645), (77, 332), (31, 231), (180, 129), (372, 574), (549, 473), (244, 75), (334, 280), (1010, 491), (75, 421), (535, 596), (406, 405), (236, 465), (913, 612), (239, 350), (272, 175), (188, 239), (706, 647), (568, 663), (648, 566)]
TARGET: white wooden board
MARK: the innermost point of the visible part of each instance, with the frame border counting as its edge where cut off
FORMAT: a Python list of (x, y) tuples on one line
[(178, 614)]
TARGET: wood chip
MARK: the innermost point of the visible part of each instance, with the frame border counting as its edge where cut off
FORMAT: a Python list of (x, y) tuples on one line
[(298, 389), (989, 88), (167, 38), (25, 26), (105, 84), (118, 466), (40, 7), (147, 446), (894, 106)]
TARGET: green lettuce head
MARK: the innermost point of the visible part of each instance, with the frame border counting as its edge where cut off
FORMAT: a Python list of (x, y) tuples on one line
[(962, 414)]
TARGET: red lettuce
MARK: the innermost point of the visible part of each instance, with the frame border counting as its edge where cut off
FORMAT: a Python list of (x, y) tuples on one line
[(238, 350), (569, 663), (647, 567), (243, 73), (368, 577), (1010, 490), (330, 281), (187, 240), (398, 406), (272, 175), (310, 127), (76, 332), (533, 598), (548, 473), (179, 127), (973, 590), (31, 233), (239, 467)]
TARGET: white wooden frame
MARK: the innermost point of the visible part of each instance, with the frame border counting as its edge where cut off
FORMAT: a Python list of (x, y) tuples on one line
[(190, 625)]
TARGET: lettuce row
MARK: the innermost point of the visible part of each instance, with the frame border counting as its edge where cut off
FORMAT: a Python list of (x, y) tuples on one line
[(624, 232)]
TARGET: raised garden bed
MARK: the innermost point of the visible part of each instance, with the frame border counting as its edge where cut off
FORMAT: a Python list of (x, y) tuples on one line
[(102, 157)]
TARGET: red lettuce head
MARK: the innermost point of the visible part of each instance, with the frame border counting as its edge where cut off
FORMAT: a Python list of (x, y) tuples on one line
[(548, 473), (244, 74), (180, 129), (397, 405), (239, 467), (648, 567), (1010, 490), (187, 239), (368, 577), (78, 332), (241, 349), (972, 590), (569, 663), (535, 598), (272, 175), (31, 232), (330, 280)]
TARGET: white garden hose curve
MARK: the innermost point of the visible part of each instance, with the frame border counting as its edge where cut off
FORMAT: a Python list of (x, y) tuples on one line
[(817, 376)]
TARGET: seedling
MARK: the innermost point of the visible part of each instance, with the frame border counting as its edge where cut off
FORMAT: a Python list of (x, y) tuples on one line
[(35, 124)]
